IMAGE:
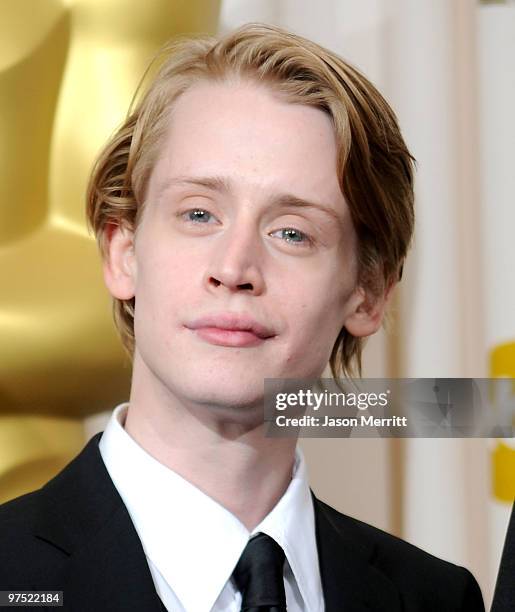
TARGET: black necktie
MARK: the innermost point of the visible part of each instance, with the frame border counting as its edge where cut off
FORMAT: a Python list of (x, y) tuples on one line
[(259, 576)]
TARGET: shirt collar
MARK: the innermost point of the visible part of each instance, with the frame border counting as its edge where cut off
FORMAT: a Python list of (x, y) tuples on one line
[(187, 534)]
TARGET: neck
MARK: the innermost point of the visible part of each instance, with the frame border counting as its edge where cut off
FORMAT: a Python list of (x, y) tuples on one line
[(224, 455)]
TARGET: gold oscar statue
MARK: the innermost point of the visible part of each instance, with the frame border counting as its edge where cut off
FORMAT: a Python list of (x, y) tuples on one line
[(68, 70)]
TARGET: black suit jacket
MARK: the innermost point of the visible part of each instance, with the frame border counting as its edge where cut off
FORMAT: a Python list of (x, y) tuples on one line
[(504, 597), (76, 535)]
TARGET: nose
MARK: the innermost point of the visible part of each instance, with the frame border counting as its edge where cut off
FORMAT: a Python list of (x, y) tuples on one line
[(236, 260)]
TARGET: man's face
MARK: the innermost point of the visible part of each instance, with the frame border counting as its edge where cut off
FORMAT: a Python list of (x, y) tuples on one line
[(228, 240)]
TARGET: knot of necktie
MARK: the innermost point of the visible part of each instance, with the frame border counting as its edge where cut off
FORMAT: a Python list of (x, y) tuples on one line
[(259, 576)]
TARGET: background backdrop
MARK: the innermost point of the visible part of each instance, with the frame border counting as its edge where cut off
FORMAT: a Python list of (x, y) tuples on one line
[(68, 69)]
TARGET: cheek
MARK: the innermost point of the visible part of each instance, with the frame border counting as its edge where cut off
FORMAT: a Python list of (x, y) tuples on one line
[(162, 282), (319, 305), (163, 262), (314, 326), (314, 321)]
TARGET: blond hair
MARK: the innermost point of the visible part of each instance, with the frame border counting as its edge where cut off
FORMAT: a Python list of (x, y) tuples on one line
[(375, 168)]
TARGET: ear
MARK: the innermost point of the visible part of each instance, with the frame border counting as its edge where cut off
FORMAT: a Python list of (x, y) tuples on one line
[(367, 311), (120, 264)]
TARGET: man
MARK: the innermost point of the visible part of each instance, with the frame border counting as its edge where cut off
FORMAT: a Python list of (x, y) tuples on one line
[(253, 213), (504, 596)]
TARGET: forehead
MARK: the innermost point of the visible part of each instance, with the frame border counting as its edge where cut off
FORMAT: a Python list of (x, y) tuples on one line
[(245, 131)]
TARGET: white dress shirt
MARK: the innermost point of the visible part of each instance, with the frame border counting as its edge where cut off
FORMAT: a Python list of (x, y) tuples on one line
[(192, 543)]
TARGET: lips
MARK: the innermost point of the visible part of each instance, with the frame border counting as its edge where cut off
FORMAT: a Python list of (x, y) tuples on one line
[(231, 329)]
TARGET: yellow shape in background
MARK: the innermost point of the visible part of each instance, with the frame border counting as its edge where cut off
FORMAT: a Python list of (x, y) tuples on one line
[(502, 364), (32, 449), (504, 472)]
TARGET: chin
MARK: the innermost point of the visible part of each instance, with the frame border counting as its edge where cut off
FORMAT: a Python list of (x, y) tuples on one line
[(236, 406), (219, 396)]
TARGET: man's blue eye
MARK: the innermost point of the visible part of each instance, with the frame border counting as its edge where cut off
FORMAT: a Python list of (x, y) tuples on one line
[(198, 215), (292, 235)]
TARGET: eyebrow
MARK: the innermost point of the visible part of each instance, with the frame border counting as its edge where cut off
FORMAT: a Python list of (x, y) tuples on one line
[(222, 185)]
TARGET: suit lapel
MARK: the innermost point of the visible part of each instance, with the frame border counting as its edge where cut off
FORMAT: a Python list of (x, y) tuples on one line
[(111, 572), (83, 515), (349, 579)]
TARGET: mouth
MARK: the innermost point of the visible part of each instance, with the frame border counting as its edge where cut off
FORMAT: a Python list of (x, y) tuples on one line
[(228, 337), (231, 329)]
